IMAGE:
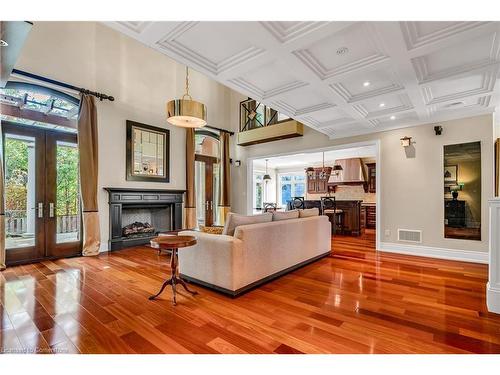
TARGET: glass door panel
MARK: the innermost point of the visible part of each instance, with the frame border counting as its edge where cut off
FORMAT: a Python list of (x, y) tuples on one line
[(23, 158), (67, 206), (199, 175), (63, 196), (19, 191), (215, 199)]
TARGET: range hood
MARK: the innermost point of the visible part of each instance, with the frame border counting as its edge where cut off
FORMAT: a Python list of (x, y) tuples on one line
[(352, 173)]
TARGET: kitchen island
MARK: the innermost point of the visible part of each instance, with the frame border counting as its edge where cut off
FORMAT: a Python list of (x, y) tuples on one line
[(351, 216)]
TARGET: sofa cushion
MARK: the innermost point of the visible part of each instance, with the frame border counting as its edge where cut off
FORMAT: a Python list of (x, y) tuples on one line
[(234, 220), (285, 215), (308, 212)]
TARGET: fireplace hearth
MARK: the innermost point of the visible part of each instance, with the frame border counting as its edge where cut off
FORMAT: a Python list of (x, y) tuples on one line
[(138, 215)]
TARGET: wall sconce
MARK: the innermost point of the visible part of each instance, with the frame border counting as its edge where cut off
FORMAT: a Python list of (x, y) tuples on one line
[(237, 163), (405, 141)]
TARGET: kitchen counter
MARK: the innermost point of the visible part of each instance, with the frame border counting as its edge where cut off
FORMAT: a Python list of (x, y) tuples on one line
[(351, 214)]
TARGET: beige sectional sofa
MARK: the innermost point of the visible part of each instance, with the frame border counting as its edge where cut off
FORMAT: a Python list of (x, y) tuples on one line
[(255, 254)]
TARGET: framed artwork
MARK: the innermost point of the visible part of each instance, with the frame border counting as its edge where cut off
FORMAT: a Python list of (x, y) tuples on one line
[(148, 153), (450, 174)]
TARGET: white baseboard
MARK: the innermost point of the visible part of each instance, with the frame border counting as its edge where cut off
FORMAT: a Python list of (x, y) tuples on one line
[(493, 299), (435, 252)]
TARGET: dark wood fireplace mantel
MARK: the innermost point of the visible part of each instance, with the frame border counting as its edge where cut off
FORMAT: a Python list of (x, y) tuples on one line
[(121, 199)]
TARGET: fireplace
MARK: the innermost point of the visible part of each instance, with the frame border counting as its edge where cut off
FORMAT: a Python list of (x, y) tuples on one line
[(137, 215)]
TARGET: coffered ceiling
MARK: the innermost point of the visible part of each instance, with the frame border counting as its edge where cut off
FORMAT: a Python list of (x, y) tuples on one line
[(343, 78)]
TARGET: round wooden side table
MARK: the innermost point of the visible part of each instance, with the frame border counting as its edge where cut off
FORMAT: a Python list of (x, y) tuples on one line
[(174, 243)]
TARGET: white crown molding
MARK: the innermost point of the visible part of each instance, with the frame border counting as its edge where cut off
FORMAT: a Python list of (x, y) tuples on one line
[(481, 102), (487, 86), (353, 98), (169, 42), (136, 27), (415, 40), (293, 112), (492, 61), (266, 94), (435, 252), (323, 73), (285, 35), (405, 105)]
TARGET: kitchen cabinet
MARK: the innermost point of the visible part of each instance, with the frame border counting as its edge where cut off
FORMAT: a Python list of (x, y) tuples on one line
[(368, 216), (316, 185), (372, 177), (351, 214)]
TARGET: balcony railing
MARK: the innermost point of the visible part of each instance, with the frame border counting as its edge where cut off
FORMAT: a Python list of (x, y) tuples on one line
[(16, 223), (254, 115)]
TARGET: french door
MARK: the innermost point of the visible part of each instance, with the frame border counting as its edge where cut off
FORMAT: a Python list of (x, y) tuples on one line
[(207, 189), (42, 205)]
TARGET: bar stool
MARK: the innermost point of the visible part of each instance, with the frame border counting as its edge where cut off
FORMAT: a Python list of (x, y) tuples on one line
[(270, 207), (298, 203), (329, 208)]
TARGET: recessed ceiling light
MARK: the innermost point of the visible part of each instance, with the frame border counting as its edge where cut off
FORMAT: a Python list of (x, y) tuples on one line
[(393, 117), (381, 105), (342, 50), (366, 84), (3, 43)]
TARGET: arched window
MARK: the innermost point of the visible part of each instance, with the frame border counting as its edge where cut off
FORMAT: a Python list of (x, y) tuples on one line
[(33, 105)]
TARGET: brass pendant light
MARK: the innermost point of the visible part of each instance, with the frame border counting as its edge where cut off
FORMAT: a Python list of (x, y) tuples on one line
[(186, 112)]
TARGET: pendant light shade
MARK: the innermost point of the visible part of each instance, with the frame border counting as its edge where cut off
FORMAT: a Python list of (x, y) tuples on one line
[(186, 112), (266, 177)]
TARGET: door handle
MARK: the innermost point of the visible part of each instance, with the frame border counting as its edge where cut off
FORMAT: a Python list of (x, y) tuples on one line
[(211, 205), (51, 209), (40, 210), (206, 205)]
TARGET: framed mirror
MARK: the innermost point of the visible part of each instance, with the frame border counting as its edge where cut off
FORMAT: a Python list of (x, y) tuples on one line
[(148, 153), (462, 191)]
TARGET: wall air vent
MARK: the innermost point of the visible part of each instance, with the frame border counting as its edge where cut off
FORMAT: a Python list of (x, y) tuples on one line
[(410, 235)]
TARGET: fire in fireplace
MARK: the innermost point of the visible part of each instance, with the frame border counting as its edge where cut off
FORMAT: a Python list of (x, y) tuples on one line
[(138, 229)]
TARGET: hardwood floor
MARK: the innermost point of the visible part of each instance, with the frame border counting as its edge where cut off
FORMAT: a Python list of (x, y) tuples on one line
[(356, 301)]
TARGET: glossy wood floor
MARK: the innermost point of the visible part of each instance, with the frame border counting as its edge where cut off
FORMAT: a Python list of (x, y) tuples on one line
[(355, 301)]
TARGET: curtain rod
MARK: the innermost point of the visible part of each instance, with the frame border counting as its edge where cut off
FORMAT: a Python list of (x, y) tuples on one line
[(219, 129), (99, 95)]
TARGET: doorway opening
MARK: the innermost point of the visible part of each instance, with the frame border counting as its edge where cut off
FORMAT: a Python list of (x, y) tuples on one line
[(207, 177), (349, 174), (41, 182)]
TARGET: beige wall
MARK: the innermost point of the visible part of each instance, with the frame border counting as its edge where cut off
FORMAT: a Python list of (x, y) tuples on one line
[(96, 57), (411, 195)]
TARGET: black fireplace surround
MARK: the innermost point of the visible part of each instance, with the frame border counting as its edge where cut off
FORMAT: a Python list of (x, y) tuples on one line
[(160, 208)]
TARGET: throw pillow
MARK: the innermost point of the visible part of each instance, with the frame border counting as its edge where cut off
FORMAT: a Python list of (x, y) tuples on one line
[(212, 230), (285, 215), (234, 220), (308, 212)]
